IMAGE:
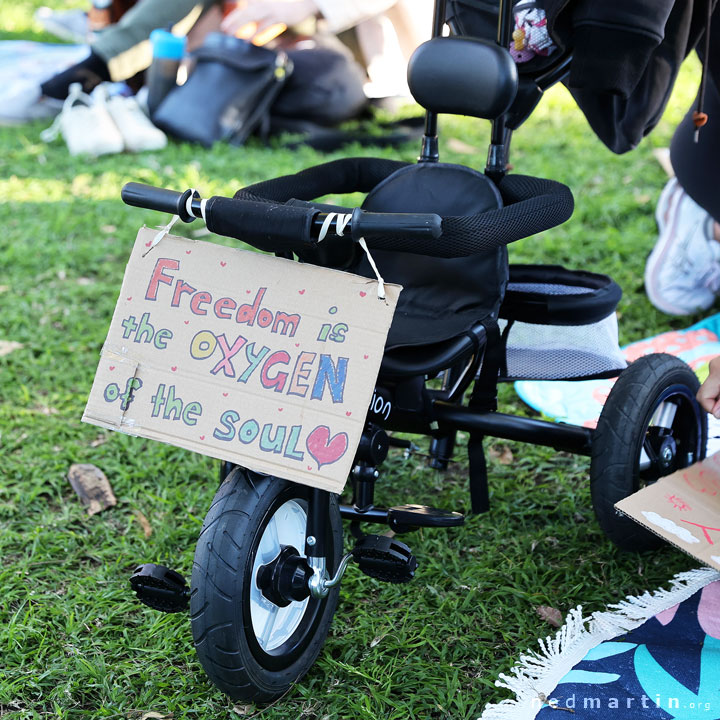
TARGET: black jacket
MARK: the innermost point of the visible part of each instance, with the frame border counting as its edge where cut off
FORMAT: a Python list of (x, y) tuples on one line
[(626, 56)]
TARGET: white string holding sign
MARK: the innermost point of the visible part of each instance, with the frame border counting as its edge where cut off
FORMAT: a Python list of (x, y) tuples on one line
[(341, 222), (165, 230)]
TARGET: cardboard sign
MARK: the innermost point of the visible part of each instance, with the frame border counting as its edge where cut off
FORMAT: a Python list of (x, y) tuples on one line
[(684, 509), (245, 357)]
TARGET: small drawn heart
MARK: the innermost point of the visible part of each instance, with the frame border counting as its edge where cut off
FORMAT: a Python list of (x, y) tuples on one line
[(222, 263), (248, 291), (349, 413), (187, 322), (302, 292), (112, 367), (324, 449), (365, 357), (225, 394), (174, 368), (309, 467), (202, 437), (129, 299), (363, 293), (187, 252), (280, 409), (297, 344), (148, 243)]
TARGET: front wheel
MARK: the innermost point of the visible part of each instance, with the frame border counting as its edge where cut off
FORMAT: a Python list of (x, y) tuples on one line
[(650, 426), (252, 648)]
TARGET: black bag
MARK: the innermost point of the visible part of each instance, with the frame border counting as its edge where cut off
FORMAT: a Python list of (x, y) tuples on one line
[(325, 88), (228, 94)]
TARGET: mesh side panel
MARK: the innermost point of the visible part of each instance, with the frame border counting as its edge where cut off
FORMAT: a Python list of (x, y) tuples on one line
[(549, 289), (551, 352)]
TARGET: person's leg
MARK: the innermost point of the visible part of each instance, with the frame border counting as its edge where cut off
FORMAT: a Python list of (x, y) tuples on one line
[(682, 274), (121, 50), (137, 24)]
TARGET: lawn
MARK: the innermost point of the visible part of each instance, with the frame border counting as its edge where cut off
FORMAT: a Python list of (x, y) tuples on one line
[(74, 643)]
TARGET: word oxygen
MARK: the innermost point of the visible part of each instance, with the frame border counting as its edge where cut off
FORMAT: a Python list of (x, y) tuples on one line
[(200, 302), (276, 370)]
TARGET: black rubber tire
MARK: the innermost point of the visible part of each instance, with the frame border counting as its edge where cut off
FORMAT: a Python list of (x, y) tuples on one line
[(220, 590), (620, 433)]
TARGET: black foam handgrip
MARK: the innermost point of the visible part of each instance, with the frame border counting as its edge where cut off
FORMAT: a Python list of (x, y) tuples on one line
[(155, 198), (421, 226), (266, 226)]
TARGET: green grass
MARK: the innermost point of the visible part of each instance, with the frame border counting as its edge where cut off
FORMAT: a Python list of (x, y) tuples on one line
[(74, 644)]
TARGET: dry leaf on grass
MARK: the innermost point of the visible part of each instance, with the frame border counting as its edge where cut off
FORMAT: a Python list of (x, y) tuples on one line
[(156, 716), (92, 487), (144, 523), (504, 456), (552, 616), (98, 441), (243, 709), (8, 346)]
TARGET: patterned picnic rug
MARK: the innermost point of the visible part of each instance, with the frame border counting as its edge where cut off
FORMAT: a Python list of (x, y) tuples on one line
[(654, 657)]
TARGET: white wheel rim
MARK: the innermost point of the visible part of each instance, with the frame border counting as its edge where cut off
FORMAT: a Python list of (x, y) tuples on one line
[(274, 625)]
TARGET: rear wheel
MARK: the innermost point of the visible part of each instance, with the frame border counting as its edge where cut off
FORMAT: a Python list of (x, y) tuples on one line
[(650, 426), (253, 648)]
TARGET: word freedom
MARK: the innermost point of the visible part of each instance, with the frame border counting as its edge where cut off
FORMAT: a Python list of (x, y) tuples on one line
[(200, 302)]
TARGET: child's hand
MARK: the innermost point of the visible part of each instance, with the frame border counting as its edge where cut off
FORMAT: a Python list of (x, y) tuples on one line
[(709, 393)]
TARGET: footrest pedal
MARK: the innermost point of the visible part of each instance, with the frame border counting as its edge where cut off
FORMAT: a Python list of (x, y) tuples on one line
[(160, 588), (385, 558), (407, 517)]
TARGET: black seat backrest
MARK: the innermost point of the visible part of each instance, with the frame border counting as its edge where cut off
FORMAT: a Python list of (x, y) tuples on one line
[(463, 76)]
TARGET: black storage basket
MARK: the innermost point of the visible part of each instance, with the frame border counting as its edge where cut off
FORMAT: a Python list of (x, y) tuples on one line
[(560, 324)]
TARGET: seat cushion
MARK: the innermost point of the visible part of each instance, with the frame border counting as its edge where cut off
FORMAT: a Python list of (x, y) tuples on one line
[(442, 298)]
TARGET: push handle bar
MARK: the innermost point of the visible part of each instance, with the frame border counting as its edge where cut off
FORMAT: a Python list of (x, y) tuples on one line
[(278, 227)]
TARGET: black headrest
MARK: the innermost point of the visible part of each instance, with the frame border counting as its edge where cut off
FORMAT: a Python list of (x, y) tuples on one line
[(463, 76)]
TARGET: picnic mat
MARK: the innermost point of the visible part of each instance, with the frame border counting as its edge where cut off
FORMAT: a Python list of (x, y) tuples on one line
[(652, 657), (24, 65), (580, 402)]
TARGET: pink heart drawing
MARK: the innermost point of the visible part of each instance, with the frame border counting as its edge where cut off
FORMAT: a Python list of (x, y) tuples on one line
[(187, 322), (174, 368), (302, 292), (187, 252), (148, 243), (129, 299), (363, 293), (202, 437), (309, 467), (324, 449), (365, 357), (349, 413), (280, 409), (222, 264), (112, 367), (297, 344), (225, 394), (248, 291)]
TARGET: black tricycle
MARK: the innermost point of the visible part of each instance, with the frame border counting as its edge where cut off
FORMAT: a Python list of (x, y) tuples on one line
[(269, 560)]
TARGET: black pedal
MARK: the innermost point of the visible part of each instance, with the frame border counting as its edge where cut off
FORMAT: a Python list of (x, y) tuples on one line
[(408, 517), (160, 588), (385, 558)]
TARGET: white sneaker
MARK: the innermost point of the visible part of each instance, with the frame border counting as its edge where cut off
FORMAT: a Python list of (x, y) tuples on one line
[(682, 273), (69, 25), (137, 131), (86, 126)]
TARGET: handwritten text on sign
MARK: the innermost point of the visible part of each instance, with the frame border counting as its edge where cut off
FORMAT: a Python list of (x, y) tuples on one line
[(244, 357)]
